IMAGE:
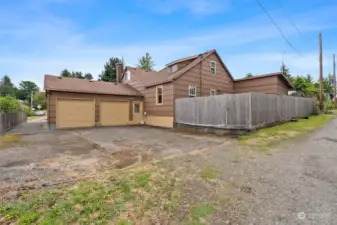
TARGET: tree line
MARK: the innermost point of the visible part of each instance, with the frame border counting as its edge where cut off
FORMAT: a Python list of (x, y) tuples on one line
[(109, 72), (24, 91)]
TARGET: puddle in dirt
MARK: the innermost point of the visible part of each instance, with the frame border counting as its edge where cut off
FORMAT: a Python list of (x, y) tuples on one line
[(15, 163), (128, 158)]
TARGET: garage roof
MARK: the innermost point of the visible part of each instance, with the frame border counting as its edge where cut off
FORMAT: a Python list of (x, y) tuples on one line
[(67, 84)]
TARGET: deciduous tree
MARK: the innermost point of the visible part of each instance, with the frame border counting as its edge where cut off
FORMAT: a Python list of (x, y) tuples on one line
[(146, 62)]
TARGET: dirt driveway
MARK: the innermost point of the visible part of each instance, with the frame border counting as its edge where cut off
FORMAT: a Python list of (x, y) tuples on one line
[(32, 156)]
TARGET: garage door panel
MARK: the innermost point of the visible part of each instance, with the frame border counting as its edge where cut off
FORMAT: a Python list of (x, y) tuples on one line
[(114, 113), (75, 113)]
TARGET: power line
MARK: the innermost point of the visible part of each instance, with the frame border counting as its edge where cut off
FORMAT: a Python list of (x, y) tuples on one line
[(275, 24), (288, 17)]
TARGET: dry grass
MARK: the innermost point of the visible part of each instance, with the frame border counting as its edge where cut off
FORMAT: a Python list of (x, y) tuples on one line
[(10, 140)]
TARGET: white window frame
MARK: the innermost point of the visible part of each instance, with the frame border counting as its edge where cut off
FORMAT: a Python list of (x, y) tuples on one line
[(212, 92), (189, 91), (162, 95), (210, 67), (127, 75)]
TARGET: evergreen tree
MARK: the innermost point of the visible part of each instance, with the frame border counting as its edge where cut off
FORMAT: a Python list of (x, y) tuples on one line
[(286, 71), (109, 72), (7, 87)]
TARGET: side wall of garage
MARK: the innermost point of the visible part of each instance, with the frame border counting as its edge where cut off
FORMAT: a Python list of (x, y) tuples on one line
[(53, 97)]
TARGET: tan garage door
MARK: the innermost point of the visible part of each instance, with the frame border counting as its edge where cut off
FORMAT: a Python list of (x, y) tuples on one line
[(114, 113), (75, 113)]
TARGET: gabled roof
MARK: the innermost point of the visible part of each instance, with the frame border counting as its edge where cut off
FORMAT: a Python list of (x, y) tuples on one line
[(183, 60), (278, 74), (151, 78), (67, 84), (147, 77)]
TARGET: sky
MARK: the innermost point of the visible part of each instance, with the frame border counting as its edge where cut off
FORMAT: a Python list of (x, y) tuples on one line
[(40, 37)]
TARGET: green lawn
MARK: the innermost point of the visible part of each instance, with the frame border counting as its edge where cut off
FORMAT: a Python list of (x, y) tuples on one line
[(266, 137)]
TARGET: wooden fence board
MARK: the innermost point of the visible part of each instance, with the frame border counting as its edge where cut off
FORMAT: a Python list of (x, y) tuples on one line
[(241, 111)]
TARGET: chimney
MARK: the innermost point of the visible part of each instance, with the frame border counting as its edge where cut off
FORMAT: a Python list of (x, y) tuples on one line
[(119, 72)]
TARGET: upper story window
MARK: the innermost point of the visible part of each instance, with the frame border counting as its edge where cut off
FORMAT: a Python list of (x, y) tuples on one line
[(173, 68), (159, 95), (212, 92), (127, 75), (213, 67), (192, 91)]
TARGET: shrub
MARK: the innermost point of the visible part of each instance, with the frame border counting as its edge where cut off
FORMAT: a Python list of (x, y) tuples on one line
[(9, 104), (328, 105), (28, 111)]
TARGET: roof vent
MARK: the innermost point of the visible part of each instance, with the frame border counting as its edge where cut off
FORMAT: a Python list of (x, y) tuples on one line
[(91, 81), (60, 77)]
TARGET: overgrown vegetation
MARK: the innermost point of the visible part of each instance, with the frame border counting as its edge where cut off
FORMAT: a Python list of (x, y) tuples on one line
[(266, 137), (9, 104), (121, 199)]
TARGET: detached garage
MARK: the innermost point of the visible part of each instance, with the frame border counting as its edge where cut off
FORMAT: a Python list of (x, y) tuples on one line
[(74, 103)]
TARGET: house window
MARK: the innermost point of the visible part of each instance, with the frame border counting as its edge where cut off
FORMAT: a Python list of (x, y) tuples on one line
[(159, 95), (213, 67), (212, 92), (136, 108), (192, 91), (173, 68), (127, 75)]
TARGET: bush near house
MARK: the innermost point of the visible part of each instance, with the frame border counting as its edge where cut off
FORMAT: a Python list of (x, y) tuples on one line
[(9, 104)]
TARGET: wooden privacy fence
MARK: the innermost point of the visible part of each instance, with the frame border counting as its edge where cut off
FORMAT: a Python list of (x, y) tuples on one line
[(241, 111), (9, 120)]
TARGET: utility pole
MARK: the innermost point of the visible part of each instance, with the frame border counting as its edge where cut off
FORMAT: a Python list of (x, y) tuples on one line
[(321, 103), (31, 99), (334, 79)]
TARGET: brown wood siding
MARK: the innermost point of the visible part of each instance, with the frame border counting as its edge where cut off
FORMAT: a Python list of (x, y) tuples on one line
[(150, 106), (183, 64), (190, 78), (282, 88), (268, 85), (54, 95), (220, 81), (201, 77)]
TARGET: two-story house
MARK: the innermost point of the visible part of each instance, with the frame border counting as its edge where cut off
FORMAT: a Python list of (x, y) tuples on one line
[(147, 97)]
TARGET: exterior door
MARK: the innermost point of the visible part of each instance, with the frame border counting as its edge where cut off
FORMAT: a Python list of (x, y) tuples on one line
[(75, 113), (137, 112), (114, 113)]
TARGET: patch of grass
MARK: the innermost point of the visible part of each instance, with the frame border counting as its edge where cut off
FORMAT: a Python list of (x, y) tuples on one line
[(209, 173), (202, 210), (142, 179), (33, 117), (123, 222), (10, 140), (199, 213), (97, 201), (264, 138)]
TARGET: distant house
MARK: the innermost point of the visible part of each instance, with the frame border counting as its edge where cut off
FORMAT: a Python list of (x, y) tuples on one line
[(145, 96)]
